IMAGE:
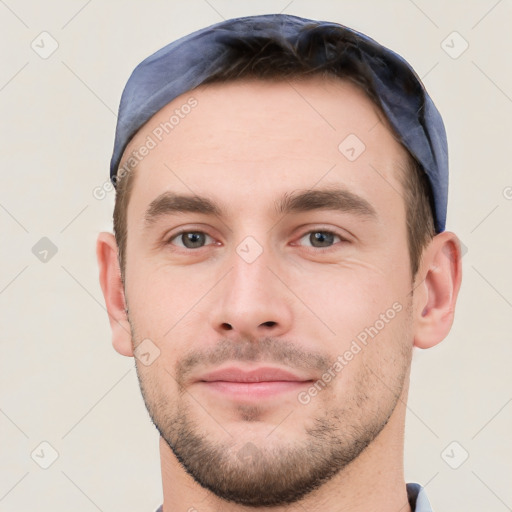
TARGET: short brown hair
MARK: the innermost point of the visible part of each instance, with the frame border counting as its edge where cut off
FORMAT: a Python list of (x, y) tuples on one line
[(270, 59)]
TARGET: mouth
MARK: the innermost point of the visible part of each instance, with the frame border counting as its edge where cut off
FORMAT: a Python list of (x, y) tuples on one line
[(263, 382)]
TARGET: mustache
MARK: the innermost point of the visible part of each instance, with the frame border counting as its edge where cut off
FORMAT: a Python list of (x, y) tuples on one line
[(267, 349)]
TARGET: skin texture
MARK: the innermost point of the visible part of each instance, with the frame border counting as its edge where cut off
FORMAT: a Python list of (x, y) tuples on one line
[(297, 306)]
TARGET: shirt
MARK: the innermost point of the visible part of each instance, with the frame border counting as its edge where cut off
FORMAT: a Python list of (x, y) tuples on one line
[(415, 493)]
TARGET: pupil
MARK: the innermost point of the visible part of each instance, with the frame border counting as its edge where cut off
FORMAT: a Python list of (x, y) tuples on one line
[(192, 240), (321, 239)]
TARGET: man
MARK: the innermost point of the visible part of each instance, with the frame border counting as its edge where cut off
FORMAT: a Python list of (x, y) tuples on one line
[(279, 249)]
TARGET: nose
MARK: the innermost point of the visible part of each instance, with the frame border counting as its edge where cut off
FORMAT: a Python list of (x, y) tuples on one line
[(251, 301)]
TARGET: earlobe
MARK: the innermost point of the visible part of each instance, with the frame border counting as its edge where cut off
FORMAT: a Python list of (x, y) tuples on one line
[(113, 293), (436, 295)]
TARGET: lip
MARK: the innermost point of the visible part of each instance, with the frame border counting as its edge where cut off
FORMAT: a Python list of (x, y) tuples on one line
[(263, 382), (261, 374)]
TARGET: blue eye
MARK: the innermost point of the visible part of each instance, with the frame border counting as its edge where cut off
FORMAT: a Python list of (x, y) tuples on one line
[(190, 239), (321, 238)]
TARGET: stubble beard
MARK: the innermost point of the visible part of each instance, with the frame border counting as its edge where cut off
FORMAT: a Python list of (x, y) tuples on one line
[(259, 473)]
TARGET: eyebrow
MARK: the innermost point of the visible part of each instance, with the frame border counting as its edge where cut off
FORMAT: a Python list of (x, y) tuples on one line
[(337, 199), (169, 203)]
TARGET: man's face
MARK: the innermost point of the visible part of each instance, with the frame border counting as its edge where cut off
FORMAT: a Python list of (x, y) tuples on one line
[(265, 278)]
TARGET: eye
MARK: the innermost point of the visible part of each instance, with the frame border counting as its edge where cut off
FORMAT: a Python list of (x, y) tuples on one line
[(190, 239), (321, 238)]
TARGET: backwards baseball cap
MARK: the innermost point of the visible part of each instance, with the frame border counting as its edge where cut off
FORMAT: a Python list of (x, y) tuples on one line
[(189, 61)]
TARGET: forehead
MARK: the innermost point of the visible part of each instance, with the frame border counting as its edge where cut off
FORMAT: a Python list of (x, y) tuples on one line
[(264, 138)]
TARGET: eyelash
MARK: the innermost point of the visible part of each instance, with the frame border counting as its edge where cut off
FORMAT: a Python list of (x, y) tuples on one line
[(177, 235), (324, 231), (316, 249)]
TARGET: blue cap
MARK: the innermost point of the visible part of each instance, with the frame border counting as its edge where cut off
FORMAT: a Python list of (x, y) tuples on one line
[(187, 62)]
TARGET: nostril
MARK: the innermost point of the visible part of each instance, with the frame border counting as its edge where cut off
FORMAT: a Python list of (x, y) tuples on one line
[(226, 326), (269, 323)]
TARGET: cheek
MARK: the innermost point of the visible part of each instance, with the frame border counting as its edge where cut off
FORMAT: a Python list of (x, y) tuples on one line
[(351, 297), (369, 357), (159, 296), (362, 323)]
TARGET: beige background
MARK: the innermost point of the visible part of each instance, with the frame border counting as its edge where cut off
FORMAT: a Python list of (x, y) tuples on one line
[(62, 383)]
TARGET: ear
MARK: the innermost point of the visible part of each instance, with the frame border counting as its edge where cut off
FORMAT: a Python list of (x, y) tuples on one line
[(436, 288), (113, 292)]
